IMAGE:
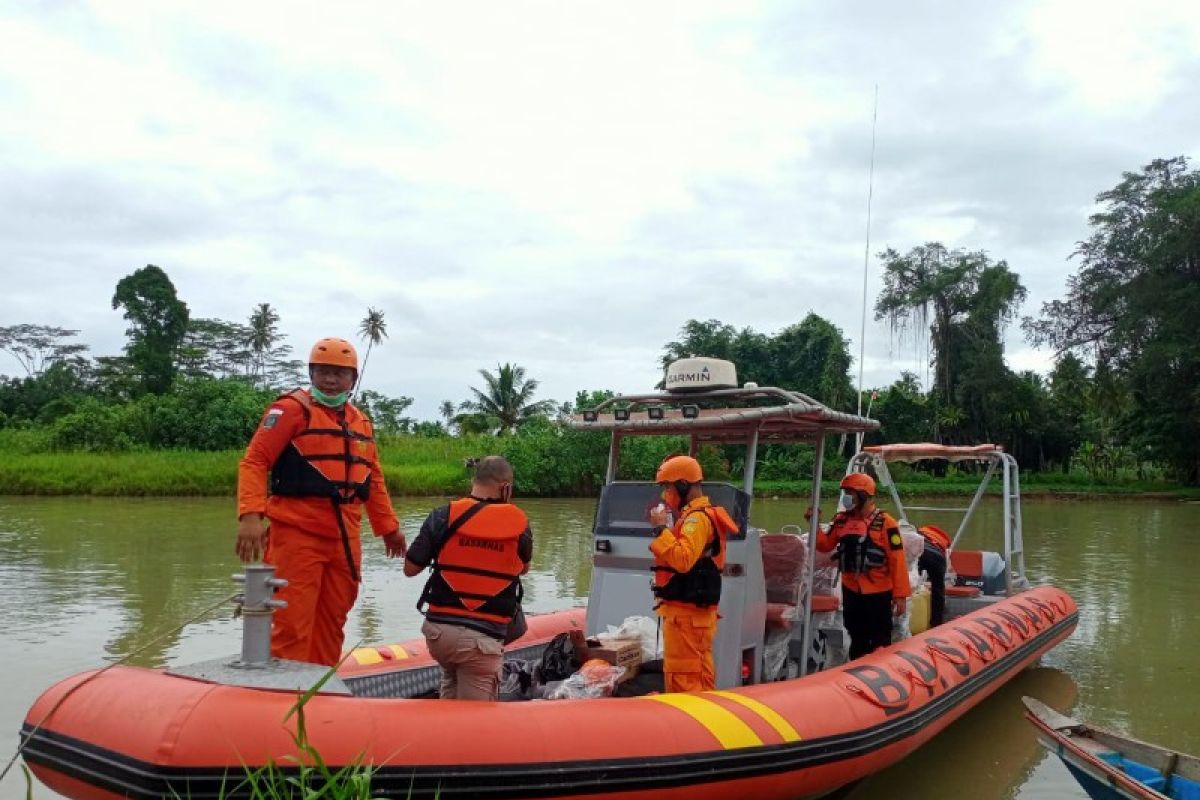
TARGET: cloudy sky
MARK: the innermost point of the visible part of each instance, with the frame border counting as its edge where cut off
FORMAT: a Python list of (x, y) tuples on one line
[(561, 184)]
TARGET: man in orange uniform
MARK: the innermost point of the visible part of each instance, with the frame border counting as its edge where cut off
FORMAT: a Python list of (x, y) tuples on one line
[(309, 470), (870, 553), (688, 558), (933, 561), (479, 547)]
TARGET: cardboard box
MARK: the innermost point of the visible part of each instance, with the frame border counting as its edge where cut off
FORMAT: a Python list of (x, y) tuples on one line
[(620, 653)]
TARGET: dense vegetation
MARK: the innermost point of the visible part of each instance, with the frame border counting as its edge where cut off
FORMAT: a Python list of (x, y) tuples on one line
[(1121, 405)]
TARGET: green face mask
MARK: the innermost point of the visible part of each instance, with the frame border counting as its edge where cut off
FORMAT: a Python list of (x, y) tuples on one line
[(329, 400)]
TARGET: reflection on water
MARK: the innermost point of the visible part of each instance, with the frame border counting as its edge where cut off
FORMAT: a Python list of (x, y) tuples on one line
[(86, 579)]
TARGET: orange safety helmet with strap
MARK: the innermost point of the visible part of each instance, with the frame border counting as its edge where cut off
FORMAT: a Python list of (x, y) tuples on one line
[(334, 352), (477, 571), (859, 482)]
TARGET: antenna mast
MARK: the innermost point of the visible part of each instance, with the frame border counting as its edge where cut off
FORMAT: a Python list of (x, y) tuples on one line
[(862, 333)]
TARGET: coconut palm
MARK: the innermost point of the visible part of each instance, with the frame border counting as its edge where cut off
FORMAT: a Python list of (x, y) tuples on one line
[(374, 330), (263, 334), (449, 414), (507, 402)]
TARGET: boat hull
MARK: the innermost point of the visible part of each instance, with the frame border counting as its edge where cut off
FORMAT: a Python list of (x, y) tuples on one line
[(144, 733), (1109, 766)]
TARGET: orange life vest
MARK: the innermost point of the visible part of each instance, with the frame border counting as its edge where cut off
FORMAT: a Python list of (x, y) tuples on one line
[(701, 585), (477, 572), (935, 537), (330, 458)]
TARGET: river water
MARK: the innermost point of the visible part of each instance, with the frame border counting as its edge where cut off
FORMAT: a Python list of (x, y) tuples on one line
[(83, 580)]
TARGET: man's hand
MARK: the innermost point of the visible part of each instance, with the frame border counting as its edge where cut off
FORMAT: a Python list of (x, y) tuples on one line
[(251, 538), (660, 515), (899, 605), (395, 544), (808, 514)]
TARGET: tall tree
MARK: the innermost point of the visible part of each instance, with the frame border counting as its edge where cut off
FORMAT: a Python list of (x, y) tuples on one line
[(263, 334), (965, 300), (36, 347), (373, 329), (812, 356), (215, 348), (506, 402), (449, 414), (158, 321), (949, 292), (1133, 305)]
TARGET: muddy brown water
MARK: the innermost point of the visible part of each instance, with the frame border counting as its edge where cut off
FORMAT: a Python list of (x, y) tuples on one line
[(88, 579)]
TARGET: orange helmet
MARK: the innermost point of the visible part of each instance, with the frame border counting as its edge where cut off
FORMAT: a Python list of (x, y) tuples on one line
[(679, 468), (859, 482), (334, 352)]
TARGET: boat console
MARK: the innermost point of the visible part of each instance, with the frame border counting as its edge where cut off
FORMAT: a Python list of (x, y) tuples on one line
[(622, 573)]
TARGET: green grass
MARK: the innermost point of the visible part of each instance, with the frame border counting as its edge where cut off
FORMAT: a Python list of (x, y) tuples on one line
[(419, 466)]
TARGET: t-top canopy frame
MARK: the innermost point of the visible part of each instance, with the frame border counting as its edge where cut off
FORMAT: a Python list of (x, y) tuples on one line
[(877, 457), (777, 416)]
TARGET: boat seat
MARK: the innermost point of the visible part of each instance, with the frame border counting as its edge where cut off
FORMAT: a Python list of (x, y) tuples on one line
[(968, 572), (785, 559)]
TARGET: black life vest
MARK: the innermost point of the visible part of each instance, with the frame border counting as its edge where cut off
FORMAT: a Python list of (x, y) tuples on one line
[(857, 550), (701, 585)]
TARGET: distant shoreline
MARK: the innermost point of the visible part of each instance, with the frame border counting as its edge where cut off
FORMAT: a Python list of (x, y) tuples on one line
[(177, 473)]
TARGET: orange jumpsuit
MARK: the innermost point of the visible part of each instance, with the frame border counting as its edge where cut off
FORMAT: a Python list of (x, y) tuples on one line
[(305, 542), (688, 629)]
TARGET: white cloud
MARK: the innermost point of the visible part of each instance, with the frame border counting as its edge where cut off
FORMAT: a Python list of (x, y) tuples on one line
[(559, 185)]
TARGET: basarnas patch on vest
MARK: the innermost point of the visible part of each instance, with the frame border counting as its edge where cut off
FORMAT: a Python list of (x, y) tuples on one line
[(896, 541), (272, 417)]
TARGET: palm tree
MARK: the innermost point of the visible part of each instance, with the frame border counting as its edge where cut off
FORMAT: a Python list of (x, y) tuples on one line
[(374, 330), (264, 333), (449, 414), (507, 402)]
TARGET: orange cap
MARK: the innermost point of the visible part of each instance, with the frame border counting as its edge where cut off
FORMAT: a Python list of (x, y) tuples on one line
[(859, 482), (679, 468), (334, 352)]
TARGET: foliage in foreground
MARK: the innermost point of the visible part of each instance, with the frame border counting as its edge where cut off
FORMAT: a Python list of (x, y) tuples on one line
[(304, 776)]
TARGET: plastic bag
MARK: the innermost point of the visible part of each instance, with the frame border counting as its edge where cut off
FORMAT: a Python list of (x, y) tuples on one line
[(775, 653), (559, 660), (914, 544), (516, 680), (595, 678), (638, 628)]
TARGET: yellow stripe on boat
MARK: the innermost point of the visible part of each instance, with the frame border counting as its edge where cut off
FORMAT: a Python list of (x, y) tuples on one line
[(769, 715), (722, 723), (399, 651), (366, 656)]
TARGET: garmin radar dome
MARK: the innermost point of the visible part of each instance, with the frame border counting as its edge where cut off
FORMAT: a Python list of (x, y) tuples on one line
[(700, 374)]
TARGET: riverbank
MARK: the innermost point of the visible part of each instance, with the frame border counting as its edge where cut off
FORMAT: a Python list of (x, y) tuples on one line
[(430, 467)]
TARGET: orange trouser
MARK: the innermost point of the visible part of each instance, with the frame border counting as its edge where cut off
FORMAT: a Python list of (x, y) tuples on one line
[(319, 594), (687, 649)]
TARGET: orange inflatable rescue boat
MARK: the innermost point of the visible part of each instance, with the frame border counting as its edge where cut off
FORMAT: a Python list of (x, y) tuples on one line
[(790, 719)]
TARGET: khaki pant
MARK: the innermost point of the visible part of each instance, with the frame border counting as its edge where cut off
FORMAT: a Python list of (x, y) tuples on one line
[(471, 661)]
